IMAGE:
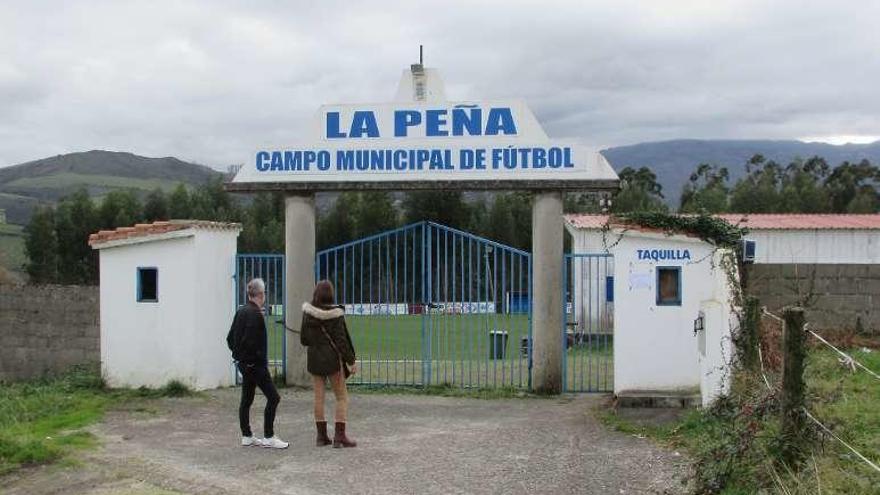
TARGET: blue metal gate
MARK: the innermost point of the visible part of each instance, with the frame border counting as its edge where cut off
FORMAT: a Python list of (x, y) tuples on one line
[(269, 267), (428, 304), (588, 328), (431, 305)]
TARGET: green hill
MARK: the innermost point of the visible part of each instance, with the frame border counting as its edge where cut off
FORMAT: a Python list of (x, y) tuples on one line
[(48, 180)]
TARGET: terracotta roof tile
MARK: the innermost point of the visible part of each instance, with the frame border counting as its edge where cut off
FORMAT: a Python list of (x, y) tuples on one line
[(156, 228)]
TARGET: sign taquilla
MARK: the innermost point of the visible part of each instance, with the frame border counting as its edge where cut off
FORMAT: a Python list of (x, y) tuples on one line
[(427, 139)]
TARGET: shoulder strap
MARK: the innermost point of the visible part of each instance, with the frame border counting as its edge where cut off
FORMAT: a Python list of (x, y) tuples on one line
[(330, 339), (335, 349)]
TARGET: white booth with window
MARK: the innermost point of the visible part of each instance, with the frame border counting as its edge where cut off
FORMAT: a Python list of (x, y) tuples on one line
[(167, 300), (673, 315), (673, 308)]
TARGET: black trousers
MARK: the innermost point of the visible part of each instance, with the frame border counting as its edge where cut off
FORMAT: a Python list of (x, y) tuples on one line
[(253, 376)]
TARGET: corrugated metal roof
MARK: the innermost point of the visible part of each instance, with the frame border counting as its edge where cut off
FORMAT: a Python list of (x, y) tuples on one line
[(151, 229), (803, 221), (763, 221)]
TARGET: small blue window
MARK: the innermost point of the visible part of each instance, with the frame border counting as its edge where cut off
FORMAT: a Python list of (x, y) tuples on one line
[(668, 286), (147, 284), (609, 288), (749, 251)]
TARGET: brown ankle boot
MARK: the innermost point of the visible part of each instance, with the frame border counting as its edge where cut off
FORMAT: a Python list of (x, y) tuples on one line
[(339, 438), (323, 439)]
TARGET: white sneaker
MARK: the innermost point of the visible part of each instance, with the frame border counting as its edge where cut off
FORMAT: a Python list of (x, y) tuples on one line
[(250, 442), (274, 443)]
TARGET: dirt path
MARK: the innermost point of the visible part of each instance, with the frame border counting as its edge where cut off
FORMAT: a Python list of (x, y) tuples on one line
[(408, 444)]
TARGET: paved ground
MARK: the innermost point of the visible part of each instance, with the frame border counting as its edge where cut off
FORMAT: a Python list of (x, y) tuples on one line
[(407, 444)]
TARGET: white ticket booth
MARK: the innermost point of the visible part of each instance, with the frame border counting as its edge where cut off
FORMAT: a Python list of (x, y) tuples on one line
[(673, 315), (167, 300), (674, 312)]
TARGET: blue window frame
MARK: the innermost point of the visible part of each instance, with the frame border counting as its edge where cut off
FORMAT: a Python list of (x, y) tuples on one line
[(668, 286), (147, 284), (749, 251)]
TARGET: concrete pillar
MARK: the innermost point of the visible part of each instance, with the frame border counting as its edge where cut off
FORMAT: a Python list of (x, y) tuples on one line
[(547, 311), (299, 248)]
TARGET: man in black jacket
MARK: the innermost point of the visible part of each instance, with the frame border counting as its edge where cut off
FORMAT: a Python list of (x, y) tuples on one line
[(247, 340)]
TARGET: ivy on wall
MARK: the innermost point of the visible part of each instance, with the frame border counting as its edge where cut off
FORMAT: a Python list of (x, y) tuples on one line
[(713, 230)]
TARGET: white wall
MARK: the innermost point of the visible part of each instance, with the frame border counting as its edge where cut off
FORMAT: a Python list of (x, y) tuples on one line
[(182, 336), (589, 241), (715, 346), (779, 246), (587, 274), (816, 246), (215, 306), (654, 346), (147, 343)]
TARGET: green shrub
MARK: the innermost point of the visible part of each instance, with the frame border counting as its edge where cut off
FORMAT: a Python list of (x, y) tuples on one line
[(176, 388)]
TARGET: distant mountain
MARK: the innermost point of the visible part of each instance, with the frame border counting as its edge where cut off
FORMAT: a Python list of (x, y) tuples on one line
[(46, 181), (674, 161)]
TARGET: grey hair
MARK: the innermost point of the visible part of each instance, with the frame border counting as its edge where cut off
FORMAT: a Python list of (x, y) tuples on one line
[(255, 287)]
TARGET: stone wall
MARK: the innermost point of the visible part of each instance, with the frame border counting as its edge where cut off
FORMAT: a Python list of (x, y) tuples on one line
[(837, 297), (47, 329)]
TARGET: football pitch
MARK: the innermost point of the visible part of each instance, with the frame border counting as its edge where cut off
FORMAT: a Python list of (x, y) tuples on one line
[(469, 350)]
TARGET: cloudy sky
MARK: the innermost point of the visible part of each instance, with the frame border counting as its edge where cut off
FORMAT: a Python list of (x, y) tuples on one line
[(207, 80)]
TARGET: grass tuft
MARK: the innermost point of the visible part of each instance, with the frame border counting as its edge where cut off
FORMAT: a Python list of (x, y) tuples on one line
[(176, 388)]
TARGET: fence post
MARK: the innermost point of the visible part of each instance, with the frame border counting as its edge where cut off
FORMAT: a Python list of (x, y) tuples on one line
[(750, 334), (793, 385)]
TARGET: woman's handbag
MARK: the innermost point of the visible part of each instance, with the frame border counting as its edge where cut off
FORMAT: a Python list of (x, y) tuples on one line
[(336, 350)]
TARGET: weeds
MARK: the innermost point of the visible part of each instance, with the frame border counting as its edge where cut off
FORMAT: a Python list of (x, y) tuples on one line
[(736, 444), (41, 420)]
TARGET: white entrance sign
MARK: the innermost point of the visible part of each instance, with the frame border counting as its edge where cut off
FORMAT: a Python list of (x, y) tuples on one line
[(424, 140)]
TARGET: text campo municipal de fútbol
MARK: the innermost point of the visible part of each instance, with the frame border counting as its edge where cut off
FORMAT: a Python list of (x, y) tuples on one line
[(403, 160)]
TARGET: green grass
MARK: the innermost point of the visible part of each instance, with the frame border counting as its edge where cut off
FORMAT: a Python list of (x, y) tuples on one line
[(41, 421), (390, 350), (12, 256), (73, 181), (401, 337), (848, 403), (447, 390), (11, 229)]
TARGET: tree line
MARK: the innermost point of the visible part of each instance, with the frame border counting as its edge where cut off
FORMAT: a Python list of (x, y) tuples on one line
[(801, 186), (57, 237)]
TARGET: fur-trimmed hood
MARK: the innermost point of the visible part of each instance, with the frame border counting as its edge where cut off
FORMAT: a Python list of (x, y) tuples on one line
[(322, 314)]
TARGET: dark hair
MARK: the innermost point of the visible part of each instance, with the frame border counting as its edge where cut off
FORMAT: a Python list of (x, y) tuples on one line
[(323, 295)]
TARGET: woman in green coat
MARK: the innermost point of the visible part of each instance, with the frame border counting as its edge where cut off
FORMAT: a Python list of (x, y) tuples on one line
[(330, 357)]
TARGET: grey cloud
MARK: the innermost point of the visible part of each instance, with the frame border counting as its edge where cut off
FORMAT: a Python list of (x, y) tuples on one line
[(208, 81)]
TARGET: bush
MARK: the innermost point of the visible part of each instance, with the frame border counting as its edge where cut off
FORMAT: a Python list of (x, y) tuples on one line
[(176, 388)]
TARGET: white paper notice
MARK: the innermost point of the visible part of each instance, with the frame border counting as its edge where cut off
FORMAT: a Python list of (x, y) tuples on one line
[(640, 280)]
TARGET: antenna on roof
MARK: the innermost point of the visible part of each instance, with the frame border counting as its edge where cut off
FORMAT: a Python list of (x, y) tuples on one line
[(418, 77)]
